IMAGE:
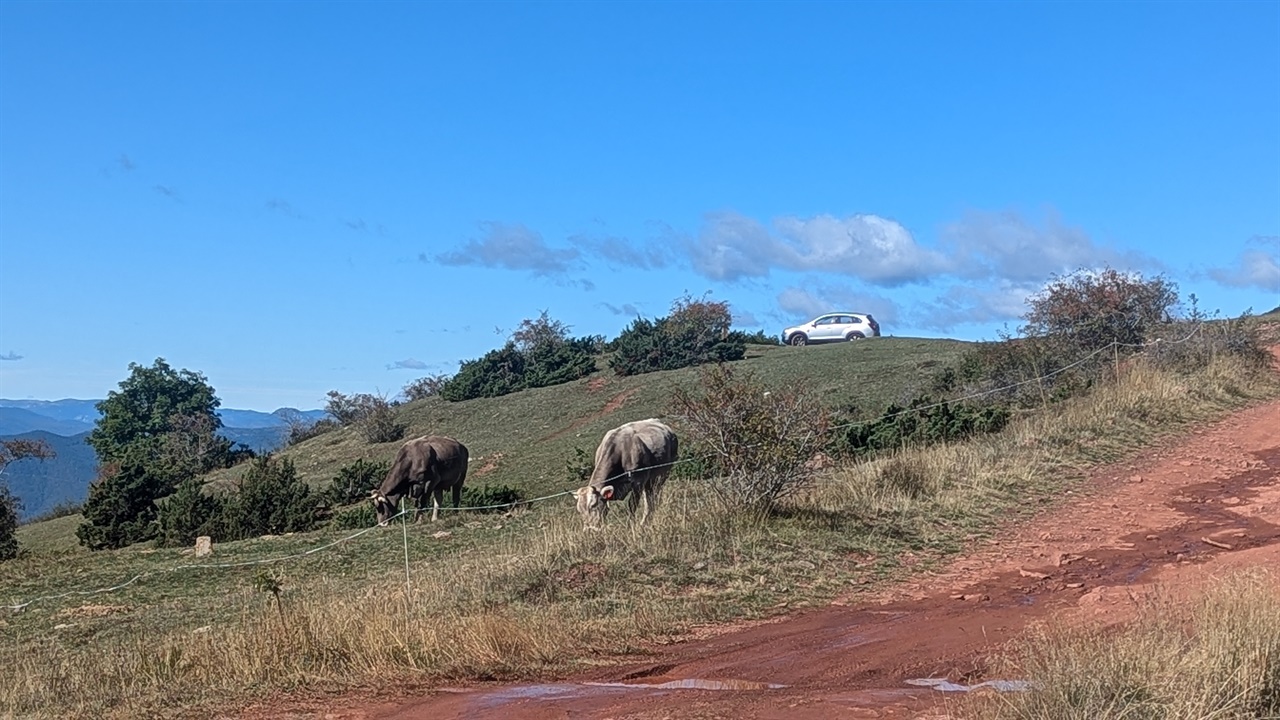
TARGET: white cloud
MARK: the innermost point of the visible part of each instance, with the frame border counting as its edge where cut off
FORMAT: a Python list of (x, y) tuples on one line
[(511, 247), (10, 356), (621, 252), (870, 247), (626, 309), (1006, 245), (967, 304), (731, 246), (1254, 268), (407, 364), (805, 303)]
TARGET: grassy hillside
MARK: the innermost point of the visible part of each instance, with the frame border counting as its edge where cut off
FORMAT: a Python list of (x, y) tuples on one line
[(523, 439), (529, 593)]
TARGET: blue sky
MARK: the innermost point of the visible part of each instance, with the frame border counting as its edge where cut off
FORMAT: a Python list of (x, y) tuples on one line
[(299, 197)]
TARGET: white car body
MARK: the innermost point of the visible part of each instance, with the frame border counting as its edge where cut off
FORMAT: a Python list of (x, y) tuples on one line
[(832, 327)]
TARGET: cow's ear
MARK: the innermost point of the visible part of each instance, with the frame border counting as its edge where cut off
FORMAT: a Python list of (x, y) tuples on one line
[(607, 492)]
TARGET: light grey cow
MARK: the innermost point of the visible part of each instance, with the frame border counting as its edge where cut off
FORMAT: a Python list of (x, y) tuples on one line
[(424, 467), (632, 462)]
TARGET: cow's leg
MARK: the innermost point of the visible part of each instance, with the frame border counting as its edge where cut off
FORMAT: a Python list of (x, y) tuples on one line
[(457, 495), (436, 498), (645, 504), (633, 501)]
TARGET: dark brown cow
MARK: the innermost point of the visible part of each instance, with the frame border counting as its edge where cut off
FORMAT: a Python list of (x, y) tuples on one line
[(632, 462), (424, 467)]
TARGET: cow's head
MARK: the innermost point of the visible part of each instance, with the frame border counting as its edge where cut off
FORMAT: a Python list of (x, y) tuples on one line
[(593, 504), (383, 507)]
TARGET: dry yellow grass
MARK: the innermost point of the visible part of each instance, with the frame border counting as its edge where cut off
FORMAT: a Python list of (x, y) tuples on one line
[(1217, 658)]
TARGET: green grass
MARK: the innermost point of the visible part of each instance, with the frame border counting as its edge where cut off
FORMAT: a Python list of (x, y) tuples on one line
[(531, 594), (528, 436)]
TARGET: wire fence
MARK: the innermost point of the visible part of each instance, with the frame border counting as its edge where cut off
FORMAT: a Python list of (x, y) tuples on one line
[(402, 515)]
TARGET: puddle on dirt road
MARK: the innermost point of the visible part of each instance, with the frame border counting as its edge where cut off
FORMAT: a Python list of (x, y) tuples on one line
[(564, 691), (945, 685), (695, 684)]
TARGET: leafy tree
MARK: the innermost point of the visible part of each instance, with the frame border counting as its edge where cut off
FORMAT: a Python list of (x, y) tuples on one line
[(158, 429), (11, 450), (152, 404)]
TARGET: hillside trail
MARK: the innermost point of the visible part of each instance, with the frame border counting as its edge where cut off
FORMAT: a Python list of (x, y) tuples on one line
[(1167, 521)]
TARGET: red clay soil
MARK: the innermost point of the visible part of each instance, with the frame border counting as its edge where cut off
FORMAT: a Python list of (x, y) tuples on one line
[(1174, 518)]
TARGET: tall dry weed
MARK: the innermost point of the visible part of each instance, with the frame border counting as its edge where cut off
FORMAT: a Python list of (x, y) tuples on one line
[(1216, 658)]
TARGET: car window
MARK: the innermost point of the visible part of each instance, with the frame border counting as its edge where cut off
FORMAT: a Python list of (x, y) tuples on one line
[(825, 321), (848, 320)]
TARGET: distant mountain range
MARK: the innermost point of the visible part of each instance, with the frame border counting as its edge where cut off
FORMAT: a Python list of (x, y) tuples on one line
[(65, 424)]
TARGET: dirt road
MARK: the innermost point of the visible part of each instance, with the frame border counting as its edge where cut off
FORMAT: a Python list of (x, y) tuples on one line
[(1174, 517)]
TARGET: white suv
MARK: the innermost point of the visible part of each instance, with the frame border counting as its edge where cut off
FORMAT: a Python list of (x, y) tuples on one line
[(832, 327)]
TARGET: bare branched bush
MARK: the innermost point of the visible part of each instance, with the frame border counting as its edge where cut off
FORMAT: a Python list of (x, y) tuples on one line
[(300, 429), (758, 440), (425, 387), (1095, 308), (373, 416), (1194, 344)]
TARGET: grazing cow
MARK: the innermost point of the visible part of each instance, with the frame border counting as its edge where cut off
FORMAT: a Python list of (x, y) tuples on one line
[(424, 467), (632, 462)]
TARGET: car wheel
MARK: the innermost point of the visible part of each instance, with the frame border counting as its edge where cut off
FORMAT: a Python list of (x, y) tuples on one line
[(799, 340), (855, 335)]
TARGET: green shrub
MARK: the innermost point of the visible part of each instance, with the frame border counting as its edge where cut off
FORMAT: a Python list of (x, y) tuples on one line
[(121, 507), (695, 333), (189, 513), (270, 500), (9, 507), (354, 517), (354, 481), (540, 353), (759, 337), (922, 422), (496, 498)]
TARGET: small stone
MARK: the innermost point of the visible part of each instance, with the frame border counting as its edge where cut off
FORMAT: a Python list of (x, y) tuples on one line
[(204, 546), (699, 565), (441, 534), (1073, 586)]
